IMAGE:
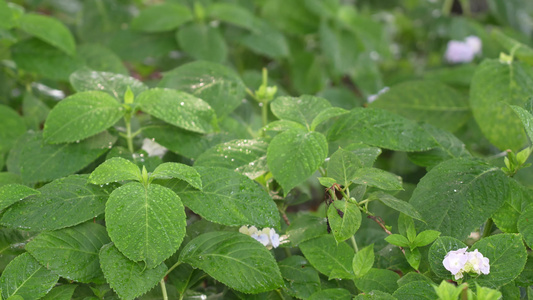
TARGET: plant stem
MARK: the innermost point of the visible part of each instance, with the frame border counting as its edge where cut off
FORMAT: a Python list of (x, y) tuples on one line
[(129, 136), (354, 243), (172, 268), (264, 113), (447, 7), (164, 289), (280, 294), (488, 228)]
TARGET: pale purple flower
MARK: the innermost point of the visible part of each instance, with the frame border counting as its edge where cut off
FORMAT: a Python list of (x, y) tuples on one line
[(454, 261), (477, 263), (463, 51), (268, 236)]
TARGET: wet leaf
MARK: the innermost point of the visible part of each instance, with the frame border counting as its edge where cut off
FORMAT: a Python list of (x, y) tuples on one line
[(145, 223), (11, 128), (302, 109), (71, 253), (235, 259), (12, 193), (294, 155), (247, 157), (458, 195), (301, 279), (61, 292), (438, 251), (115, 169), (240, 201), (129, 279), (332, 294), (382, 129), (177, 108), (378, 279), (363, 261), (202, 42), (115, 85), (397, 204), (62, 203), (178, 171), (416, 290), (344, 218), (25, 277), (39, 161), (329, 257), (80, 116), (378, 178), (214, 83), (495, 85)]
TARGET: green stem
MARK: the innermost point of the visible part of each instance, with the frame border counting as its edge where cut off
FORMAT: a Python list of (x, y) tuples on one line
[(488, 228), (280, 294), (164, 289), (129, 136), (354, 243), (172, 268), (264, 113), (447, 7)]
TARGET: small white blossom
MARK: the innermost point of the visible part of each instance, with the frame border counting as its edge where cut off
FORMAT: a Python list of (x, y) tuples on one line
[(268, 236), (460, 261), (153, 148), (463, 51)]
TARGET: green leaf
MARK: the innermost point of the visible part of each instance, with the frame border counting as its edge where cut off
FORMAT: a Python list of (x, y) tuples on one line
[(39, 161), (414, 257), (26, 278), (62, 203), (425, 238), (398, 240), (419, 290), (448, 147), (162, 17), (363, 261), (177, 108), (426, 101), (344, 218), (71, 253), (202, 42), (234, 14), (115, 169), (100, 58), (327, 114), (80, 116), (179, 171), (458, 195), (247, 157), (35, 56), (240, 201), (127, 278), (301, 279), (507, 216), (378, 279), (397, 204), (375, 295), (266, 40), (306, 227), (61, 292), (302, 109), (527, 120), (378, 178), (332, 294), (34, 111), (234, 259), (382, 129), (49, 30), (145, 223), (115, 85), (282, 125), (438, 251), (12, 193), (329, 257), (11, 128), (343, 166), (412, 277), (327, 181), (7, 19), (519, 50), (187, 143), (507, 255), (294, 155), (494, 85), (526, 277), (214, 83), (525, 223)]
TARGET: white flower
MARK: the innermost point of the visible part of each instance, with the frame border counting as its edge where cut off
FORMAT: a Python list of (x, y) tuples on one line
[(268, 236), (153, 148), (463, 51), (460, 261), (454, 261)]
